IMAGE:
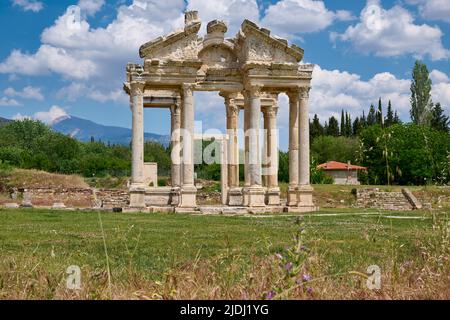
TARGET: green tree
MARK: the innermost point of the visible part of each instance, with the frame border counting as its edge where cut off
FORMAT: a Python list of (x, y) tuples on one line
[(389, 116), (421, 103), (439, 120), (371, 117), (379, 114), (333, 127), (330, 148), (342, 131), (316, 128)]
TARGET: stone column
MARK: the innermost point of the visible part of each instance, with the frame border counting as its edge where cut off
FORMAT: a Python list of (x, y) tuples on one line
[(137, 188), (255, 192), (233, 148), (188, 189), (293, 148), (234, 191), (305, 201), (271, 146), (175, 111)]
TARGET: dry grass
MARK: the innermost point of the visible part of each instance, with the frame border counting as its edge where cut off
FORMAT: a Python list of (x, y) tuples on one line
[(22, 178)]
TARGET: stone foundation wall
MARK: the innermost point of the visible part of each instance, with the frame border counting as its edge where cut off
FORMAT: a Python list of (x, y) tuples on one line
[(71, 197), (112, 198), (376, 199)]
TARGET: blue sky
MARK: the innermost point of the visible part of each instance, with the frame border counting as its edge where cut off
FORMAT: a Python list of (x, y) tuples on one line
[(362, 50)]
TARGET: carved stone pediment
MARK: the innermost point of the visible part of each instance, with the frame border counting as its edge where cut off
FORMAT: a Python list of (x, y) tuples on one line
[(257, 45)]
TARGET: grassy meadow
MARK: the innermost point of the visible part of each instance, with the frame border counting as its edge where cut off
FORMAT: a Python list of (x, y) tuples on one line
[(324, 255)]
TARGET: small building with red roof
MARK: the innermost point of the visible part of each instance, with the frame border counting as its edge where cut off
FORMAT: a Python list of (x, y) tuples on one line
[(342, 173)]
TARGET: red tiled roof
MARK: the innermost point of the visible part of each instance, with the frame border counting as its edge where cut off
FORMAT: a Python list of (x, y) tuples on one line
[(334, 165)]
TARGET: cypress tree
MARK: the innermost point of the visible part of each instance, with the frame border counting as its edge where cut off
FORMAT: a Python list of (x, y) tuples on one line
[(371, 117), (390, 115)]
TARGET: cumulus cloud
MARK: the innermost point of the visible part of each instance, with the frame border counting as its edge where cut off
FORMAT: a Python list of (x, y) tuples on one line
[(90, 7), (53, 114), (27, 92), (29, 5), (433, 9), (6, 102), (392, 32), (232, 11), (46, 60), (290, 17)]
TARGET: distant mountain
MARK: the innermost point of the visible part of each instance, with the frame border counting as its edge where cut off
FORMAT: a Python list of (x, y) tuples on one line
[(83, 130), (4, 121)]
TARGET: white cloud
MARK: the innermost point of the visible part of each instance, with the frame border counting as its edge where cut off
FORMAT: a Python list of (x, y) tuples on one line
[(392, 32), (433, 9), (50, 116), (77, 90), (29, 5), (6, 102), (438, 76), (90, 7), (232, 11), (46, 60), (290, 17), (27, 92)]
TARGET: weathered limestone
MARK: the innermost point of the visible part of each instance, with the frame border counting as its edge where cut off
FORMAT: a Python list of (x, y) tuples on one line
[(293, 149), (188, 189), (249, 71), (137, 144), (271, 155), (175, 112), (234, 197), (305, 191), (255, 192)]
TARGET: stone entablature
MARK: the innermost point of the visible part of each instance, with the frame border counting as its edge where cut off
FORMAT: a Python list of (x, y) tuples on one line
[(249, 71)]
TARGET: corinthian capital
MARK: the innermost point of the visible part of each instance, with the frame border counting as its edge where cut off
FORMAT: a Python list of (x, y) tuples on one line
[(304, 92), (254, 90), (137, 88), (188, 89)]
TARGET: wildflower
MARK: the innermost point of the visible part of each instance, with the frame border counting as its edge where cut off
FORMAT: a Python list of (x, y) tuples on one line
[(279, 256), (302, 248), (306, 277), (270, 295), (288, 266), (309, 290)]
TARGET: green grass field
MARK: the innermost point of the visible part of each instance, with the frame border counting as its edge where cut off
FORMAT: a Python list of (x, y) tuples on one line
[(195, 256)]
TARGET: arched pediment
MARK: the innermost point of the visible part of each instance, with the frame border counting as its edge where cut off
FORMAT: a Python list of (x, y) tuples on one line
[(218, 56)]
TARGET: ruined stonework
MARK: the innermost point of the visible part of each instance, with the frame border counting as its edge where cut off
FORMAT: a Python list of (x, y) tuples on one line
[(375, 199), (249, 71), (59, 198)]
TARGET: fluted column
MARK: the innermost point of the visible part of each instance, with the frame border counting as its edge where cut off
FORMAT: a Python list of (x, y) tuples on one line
[(304, 189), (272, 147), (254, 195), (188, 189), (233, 148), (254, 165), (175, 111), (271, 155), (137, 188), (137, 142), (293, 148)]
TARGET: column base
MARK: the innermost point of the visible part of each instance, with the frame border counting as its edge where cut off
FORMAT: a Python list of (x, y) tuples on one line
[(188, 197), (254, 196), (292, 196), (137, 196), (305, 196), (175, 196), (273, 196), (235, 197)]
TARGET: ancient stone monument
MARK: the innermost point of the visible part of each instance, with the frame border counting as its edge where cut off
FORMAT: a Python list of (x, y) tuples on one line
[(249, 71)]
